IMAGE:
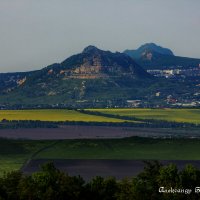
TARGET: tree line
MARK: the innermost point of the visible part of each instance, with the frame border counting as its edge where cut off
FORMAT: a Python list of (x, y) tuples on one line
[(13, 124), (151, 123), (50, 183)]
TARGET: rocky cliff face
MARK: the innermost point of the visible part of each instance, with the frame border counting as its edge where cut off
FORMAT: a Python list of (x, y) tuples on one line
[(94, 63)]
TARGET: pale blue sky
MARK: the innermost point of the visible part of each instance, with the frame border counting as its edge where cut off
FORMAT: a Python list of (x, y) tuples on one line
[(36, 33)]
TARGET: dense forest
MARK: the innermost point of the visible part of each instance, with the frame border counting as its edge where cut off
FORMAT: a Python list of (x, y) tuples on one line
[(50, 183)]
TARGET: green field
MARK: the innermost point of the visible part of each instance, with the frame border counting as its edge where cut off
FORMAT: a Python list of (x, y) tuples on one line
[(129, 148), (16, 152), (53, 115), (177, 115)]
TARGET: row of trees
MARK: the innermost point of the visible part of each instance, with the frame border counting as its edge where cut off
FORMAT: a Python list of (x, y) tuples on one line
[(13, 124), (151, 123), (50, 184)]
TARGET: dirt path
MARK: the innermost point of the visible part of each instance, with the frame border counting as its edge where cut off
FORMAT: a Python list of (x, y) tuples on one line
[(26, 163)]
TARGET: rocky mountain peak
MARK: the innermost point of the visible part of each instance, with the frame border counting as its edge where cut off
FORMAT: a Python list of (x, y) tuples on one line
[(149, 51), (152, 47), (91, 49), (94, 62)]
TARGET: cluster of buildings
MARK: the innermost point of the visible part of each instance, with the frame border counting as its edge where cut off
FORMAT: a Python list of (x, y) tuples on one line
[(170, 73)]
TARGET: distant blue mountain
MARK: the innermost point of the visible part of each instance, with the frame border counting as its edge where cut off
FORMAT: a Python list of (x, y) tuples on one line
[(151, 56), (148, 48)]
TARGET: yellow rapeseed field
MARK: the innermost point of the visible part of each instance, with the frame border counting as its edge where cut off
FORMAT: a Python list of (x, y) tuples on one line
[(177, 115), (53, 115)]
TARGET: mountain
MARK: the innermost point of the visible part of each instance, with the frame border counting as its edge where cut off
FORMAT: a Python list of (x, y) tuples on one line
[(97, 78), (146, 50), (152, 56), (93, 75), (96, 63)]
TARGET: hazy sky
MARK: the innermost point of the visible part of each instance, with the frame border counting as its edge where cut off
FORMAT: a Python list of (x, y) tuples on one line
[(36, 33)]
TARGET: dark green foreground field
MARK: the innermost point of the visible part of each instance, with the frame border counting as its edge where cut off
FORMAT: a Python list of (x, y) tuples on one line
[(15, 153)]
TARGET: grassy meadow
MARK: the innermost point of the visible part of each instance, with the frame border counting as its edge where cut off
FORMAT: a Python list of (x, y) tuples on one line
[(168, 114), (127, 148), (14, 153)]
